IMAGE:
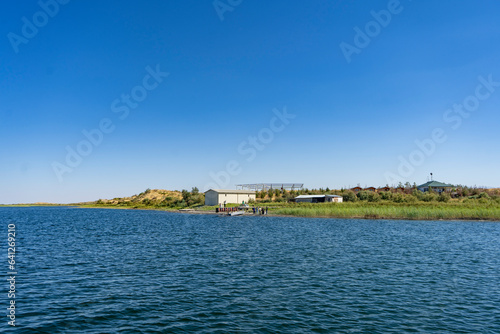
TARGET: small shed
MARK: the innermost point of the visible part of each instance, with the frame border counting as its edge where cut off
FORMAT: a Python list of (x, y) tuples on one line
[(228, 196), (318, 198)]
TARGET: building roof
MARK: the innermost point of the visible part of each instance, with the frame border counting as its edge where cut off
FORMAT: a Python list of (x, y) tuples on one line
[(435, 184), (231, 191), (316, 196)]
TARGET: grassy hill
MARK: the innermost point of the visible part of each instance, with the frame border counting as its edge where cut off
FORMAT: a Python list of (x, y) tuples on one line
[(154, 199), (149, 196)]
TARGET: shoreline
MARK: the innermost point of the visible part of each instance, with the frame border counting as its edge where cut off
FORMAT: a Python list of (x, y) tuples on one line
[(270, 214)]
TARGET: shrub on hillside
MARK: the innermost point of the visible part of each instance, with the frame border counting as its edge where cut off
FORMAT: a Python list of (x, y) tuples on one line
[(270, 193)]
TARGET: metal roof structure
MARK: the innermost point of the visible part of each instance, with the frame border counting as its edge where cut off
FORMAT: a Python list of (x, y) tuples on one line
[(318, 196), (267, 186)]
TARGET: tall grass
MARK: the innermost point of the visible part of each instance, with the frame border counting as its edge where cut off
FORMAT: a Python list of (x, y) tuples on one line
[(393, 210)]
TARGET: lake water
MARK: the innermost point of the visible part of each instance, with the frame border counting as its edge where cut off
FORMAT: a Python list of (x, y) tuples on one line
[(127, 271)]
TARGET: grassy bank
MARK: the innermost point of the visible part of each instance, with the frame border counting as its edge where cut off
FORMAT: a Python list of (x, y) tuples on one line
[(422, 211), (479, 205), (361, 209)]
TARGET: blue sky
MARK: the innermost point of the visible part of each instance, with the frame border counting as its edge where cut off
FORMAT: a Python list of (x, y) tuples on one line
[(233, 66)]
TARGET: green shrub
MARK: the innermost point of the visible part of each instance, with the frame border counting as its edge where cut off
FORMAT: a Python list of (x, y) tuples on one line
[(363, 195), (398, 198), (349, 196), (418, 194), (484, 195), (373, 197), (429, 197), (411, 199), (444, 197), (484, 200), (386, 195)]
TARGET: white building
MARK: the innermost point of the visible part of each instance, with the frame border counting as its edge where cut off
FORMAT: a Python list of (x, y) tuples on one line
[(227, 196), (318, 198)]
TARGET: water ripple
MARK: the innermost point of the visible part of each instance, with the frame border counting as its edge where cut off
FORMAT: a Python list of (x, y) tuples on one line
[(118, 271)]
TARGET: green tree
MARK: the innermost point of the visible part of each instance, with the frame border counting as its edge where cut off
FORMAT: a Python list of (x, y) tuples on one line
[(270, 193), (186, 196)]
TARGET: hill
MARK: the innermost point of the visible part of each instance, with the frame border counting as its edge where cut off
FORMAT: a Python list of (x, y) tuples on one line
[(148, 197)]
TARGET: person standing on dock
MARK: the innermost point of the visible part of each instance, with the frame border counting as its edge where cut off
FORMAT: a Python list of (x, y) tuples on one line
[(266, 210)]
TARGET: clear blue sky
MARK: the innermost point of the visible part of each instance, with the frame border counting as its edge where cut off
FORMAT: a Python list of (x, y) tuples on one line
[(356, 113)]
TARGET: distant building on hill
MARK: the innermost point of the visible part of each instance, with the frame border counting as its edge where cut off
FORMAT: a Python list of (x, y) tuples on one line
[(228, 196), (356, 189), (436, 186), (318, 198)]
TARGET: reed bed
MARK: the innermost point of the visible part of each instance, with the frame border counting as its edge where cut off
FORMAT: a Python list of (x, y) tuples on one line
[(419, 211)]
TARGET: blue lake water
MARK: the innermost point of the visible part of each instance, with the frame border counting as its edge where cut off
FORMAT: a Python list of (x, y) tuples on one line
[(127, 271)]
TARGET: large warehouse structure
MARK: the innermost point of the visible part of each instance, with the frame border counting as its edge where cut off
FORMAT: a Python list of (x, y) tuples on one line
[(228, 196)]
